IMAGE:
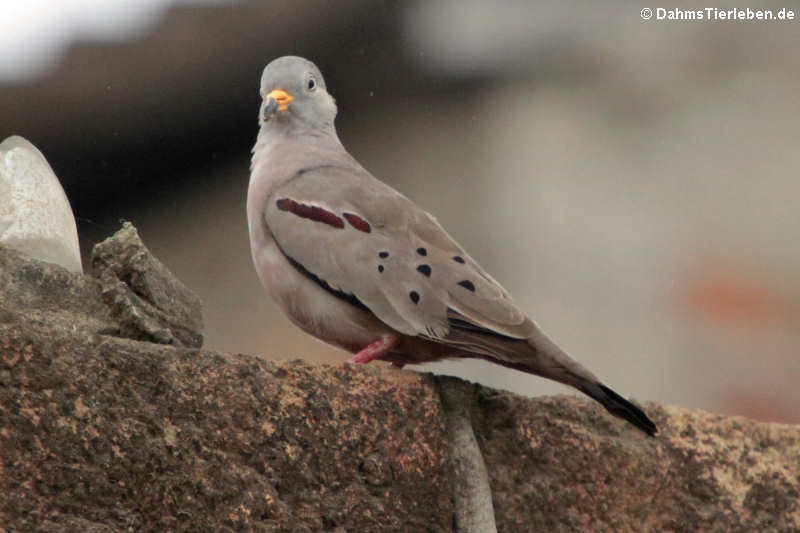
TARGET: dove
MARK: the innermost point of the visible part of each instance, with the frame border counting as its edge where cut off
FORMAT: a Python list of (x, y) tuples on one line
[(356, 264)]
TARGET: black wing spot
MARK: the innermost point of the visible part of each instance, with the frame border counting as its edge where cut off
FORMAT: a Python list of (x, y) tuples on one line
[(458, 259), (414, 295), (467, 284), (425, 270), (422, 251), (380, 268), (383, 255)]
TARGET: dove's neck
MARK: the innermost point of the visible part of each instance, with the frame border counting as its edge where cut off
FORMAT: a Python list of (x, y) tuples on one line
[(278, 155)]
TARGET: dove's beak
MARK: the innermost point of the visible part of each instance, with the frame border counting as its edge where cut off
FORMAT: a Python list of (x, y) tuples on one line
[(277, 100)]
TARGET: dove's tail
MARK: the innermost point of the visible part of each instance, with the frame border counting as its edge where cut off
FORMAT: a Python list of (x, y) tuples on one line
[(554, 363), (541, 356), (613, 402), (557, 365), (619, 406)]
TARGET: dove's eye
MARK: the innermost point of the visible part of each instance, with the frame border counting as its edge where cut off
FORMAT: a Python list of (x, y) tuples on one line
[(312, 84)]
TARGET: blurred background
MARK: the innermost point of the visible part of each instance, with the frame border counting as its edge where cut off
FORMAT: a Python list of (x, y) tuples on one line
[(634, 183)]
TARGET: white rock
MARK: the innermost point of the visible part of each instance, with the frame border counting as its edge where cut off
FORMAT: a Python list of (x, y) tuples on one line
[(35, 215)]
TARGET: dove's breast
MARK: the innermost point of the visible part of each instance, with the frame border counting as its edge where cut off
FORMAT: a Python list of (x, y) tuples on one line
[(309, 306)]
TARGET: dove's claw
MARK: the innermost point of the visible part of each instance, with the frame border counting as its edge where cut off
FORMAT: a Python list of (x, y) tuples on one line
[(376, 350)]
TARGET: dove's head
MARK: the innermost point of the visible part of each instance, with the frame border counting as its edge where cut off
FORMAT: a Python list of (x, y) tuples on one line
[(294, 96)]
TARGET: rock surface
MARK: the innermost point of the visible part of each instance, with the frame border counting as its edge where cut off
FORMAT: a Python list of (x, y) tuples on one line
[(35, 215), (558, 464), (136, 436), (147, 301), (107, 426), (131, 295)]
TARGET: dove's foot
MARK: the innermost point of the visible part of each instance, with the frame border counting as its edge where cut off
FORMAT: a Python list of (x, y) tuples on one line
[(376, 350)]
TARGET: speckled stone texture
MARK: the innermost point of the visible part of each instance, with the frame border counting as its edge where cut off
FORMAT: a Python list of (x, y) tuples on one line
[(560, 464), (113, 419), (140, 437)]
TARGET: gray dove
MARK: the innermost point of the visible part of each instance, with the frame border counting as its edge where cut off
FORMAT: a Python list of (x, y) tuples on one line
[(358, 265)]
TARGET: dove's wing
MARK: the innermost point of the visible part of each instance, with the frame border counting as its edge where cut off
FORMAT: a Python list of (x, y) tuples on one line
[(365, 241)]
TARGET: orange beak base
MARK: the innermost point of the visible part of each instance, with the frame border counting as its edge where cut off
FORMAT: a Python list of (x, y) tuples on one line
[(275, 101), (282, 97)]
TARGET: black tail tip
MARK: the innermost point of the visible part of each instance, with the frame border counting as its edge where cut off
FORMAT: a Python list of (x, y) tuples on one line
[(620, 407)]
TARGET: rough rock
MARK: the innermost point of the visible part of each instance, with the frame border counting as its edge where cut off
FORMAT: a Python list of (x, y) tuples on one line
[(131, 295), (148, 301), (138, 436), (35, 215), (107, 433), (558, 464), (47, 294)]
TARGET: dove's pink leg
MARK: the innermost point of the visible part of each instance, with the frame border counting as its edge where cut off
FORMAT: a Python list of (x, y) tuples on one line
[(375, 350)]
